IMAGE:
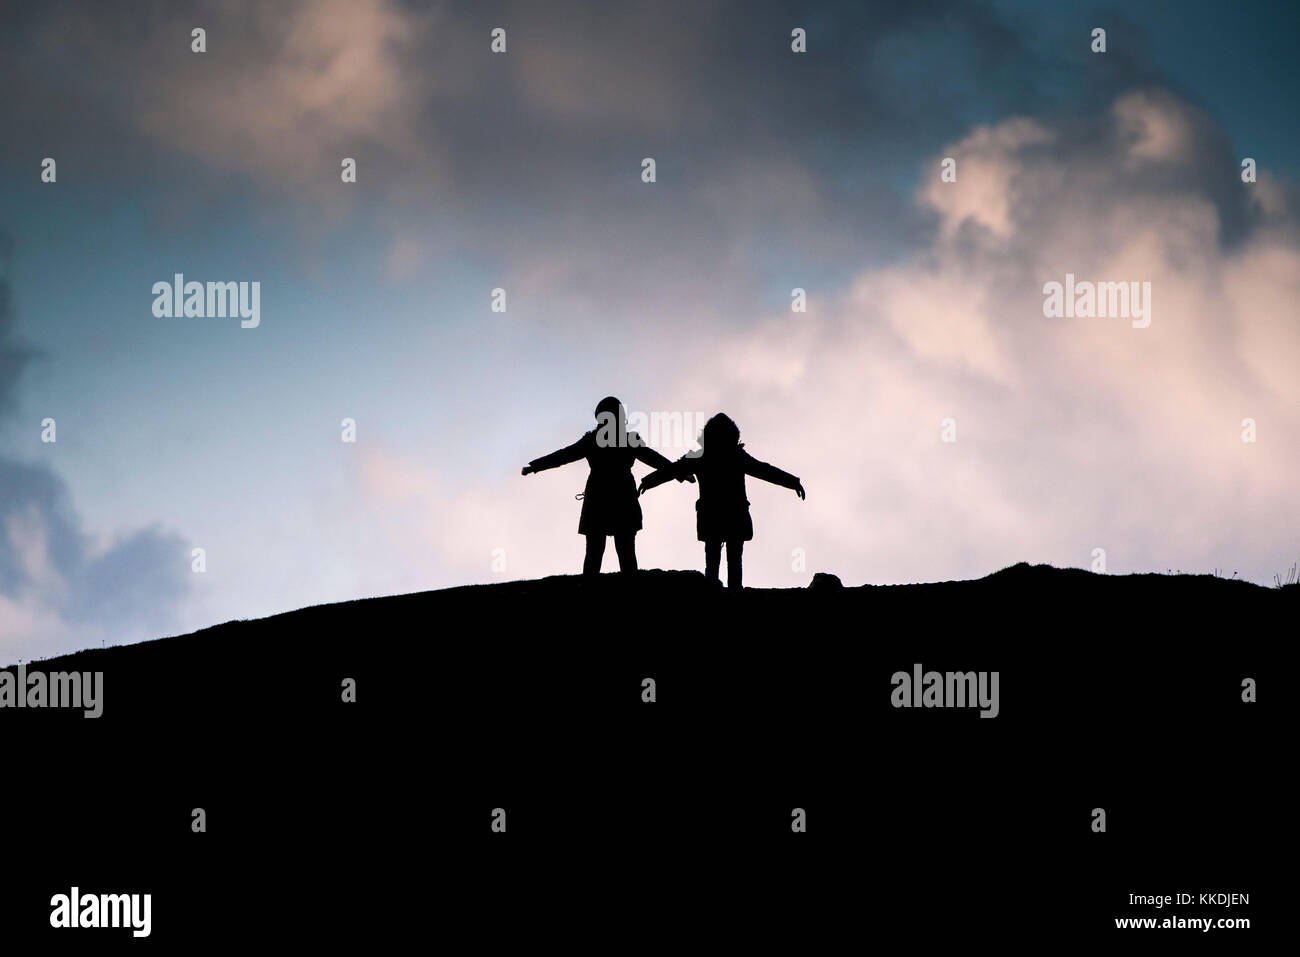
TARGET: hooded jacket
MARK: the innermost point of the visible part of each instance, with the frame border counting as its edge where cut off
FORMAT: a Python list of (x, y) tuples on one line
[(722, 510), (609, 499)]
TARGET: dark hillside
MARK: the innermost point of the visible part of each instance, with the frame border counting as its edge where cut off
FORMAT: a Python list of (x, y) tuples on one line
[(1118, 692)]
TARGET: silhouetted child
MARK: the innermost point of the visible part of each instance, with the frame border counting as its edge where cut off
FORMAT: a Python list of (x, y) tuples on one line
[(722, 510), (609, 500)]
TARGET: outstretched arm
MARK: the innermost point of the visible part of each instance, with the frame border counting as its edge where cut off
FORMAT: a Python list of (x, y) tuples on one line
[(652, 458), (654, 480), (770, 473), (657, 461), (683, 470), (564, 456)]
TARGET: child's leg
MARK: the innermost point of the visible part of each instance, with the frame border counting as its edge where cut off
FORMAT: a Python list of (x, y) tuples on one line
[(734, 548), (595, 552), (625, 545), (712, 560)]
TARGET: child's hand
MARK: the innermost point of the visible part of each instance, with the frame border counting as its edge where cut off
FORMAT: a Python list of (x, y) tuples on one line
[(798, 490), (528, 470)]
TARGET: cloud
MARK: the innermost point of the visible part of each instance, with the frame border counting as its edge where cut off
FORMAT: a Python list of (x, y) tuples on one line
[(461, 142), (14, 355), (522, 171), (405, 257), (61, 588), (283, 92), (1072, 434), (993, 162)]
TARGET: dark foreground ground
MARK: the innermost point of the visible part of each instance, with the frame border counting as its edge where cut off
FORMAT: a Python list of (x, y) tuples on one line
[(668, 824)]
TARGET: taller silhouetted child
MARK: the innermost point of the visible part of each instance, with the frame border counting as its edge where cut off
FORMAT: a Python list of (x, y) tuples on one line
[(722, 510), (609, 500)]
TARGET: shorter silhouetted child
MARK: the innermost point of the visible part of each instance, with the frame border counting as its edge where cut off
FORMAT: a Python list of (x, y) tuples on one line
[(722, 510)]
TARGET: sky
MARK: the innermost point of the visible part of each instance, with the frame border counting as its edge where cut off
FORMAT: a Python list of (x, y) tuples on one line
[(942, 425)]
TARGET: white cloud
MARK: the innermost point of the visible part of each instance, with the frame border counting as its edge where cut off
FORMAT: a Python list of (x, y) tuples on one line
[(1071, 433)]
